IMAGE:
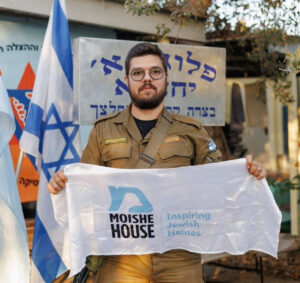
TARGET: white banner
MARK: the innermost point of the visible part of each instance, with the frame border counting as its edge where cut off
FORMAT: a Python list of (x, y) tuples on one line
[(196, 79), (208, 209)]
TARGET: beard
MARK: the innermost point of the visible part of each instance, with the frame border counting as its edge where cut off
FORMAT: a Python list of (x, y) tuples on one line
[(147, 103)]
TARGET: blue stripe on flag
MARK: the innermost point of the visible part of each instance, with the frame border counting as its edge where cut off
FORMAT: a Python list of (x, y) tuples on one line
[(61, 41), (20, 97), (34, 122), (44, 255)]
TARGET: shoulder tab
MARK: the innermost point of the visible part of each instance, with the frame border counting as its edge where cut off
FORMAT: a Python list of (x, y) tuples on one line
[(106, 117), (187, 120)]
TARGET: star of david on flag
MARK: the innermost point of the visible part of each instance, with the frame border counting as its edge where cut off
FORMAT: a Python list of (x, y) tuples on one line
[(68, 153), (52, 138)]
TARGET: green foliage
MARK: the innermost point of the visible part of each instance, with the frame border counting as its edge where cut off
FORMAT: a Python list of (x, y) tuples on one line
[(181, 11), (285, 185), (293, 61), (142, 7), (162, 30), (262, 23)]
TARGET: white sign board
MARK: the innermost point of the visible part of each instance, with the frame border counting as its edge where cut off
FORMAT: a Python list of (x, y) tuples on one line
[(110, 211), (196, 80)]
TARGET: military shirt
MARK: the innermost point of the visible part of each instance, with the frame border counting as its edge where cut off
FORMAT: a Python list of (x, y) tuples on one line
[(115, 141)]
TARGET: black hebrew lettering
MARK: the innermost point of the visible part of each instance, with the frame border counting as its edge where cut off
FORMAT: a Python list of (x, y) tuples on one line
[(35, 47), (26, 182), (20, 47)]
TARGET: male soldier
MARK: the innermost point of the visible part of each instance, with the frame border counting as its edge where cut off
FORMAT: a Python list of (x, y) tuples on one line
[(120, 140)]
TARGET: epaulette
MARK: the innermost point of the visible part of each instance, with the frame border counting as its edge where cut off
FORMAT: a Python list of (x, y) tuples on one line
[(187, 120), (106, 117)]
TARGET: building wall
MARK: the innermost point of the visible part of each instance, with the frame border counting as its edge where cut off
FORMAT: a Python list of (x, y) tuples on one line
[(21, 40), (265, 139), (107, 14)]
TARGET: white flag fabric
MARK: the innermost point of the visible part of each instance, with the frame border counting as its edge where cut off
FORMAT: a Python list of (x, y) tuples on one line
[(53, 139), (207, 209), (14, 253)]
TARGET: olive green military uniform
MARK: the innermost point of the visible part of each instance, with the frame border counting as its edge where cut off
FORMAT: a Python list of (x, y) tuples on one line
[(115, 141)]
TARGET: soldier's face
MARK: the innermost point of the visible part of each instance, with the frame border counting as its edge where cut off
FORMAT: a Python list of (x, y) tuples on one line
[(147, 81)]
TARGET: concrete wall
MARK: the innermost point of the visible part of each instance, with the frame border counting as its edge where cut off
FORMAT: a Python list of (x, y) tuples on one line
[(106, 14), (265, 141), (17, 32)]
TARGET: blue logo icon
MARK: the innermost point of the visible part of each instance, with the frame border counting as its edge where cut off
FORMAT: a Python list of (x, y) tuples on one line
[(118, 195)]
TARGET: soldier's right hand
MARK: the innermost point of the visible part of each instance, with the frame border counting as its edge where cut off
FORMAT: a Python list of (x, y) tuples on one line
[(57, 182)]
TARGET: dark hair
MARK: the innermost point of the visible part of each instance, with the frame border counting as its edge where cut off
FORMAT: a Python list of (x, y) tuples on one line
[(142, 49)]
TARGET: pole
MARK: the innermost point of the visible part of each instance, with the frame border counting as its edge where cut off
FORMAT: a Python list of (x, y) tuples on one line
[(293, 155), (19, 165)]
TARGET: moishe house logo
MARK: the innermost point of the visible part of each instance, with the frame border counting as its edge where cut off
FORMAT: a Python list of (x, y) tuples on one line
[(138, 223)]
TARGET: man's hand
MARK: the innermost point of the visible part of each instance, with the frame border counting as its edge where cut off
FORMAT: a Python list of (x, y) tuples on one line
[(255, 168), (57, 182)]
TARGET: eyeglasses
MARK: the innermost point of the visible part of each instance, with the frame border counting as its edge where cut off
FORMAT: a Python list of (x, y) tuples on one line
[(156, 73)]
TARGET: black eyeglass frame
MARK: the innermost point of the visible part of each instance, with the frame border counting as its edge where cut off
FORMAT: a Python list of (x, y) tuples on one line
[(149, 70)]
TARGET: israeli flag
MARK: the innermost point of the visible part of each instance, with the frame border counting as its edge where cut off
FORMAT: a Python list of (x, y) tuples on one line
[(52, 138), (14, 254)]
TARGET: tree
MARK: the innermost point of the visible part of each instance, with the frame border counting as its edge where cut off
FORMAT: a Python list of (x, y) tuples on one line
[(265, 25), (181, 11)]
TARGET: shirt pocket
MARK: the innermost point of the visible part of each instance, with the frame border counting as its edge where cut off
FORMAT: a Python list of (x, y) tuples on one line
[(117, 155), (175, 154)]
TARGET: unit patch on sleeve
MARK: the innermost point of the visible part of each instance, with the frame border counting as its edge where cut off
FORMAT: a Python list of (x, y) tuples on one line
[(212, 146)]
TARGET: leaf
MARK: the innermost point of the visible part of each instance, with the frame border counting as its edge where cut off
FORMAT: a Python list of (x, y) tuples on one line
[(297, 53)]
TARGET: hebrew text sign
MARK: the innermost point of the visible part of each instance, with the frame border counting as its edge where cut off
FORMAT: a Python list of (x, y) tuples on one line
[(196, 80)]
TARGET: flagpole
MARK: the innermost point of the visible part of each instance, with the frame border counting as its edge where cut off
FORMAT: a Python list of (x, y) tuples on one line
[(19, 165)]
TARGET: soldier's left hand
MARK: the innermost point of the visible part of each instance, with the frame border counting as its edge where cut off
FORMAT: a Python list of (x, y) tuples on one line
[(255, 168)]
